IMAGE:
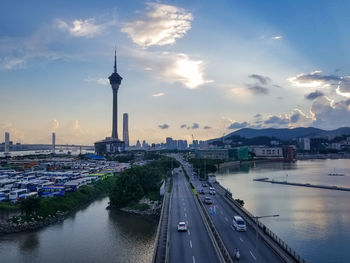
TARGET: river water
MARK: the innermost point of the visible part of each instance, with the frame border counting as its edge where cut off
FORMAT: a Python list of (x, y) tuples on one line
[(314, 222), (92, 234)]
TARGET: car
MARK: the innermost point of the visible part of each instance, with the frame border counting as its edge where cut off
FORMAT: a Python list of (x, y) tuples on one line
[(208, 200), (182, 226), (201, 191), (212, 192), (239, 224), (204, 185)]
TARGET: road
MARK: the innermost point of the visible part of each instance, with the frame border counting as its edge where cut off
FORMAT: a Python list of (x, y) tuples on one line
[(195, 245), (251, 249)]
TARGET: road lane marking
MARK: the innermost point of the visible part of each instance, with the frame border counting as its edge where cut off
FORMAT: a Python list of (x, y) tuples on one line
[(190, 243), (184, 208), (241, 239), (252, 255), (226, 219), (185, 215), (193, 259), (188, 232)]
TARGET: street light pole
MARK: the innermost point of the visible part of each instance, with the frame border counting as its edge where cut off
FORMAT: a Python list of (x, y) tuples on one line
[(256, 229)]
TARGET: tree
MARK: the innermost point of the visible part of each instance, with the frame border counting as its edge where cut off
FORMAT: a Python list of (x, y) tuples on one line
[(30, 205)]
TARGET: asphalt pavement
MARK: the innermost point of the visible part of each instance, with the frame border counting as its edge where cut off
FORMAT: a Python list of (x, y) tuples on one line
[(252, 249), (194, 245)]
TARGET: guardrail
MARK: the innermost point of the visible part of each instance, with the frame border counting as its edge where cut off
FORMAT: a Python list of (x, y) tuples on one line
[(226, 256), (161, 245), (263, 230), (217, 242)]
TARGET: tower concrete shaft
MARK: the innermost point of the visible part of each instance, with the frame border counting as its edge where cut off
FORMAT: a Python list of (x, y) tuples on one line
[(115, 113), (126, 129), (115, 80)]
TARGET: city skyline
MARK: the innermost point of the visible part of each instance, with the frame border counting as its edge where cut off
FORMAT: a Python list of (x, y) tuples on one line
[(188, 68)]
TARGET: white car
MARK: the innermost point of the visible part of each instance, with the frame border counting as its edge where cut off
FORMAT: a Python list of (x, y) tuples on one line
[(239, 224), (181, 226)]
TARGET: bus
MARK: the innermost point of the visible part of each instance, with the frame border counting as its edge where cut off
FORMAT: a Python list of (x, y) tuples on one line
[(4, 194), (50, 191), (17, 195)]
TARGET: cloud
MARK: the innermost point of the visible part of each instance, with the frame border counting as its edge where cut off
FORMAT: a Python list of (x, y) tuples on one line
[(55, 124), (262, 79), (277, 37), (329, 114), (238, 125), (314, 79), (314, 95), (174, 67), (147, 68), (260, 85), (81, 28), (343, 88), (163, 126), (258, 115), (183, 126), (258, 89), (207, 127), (195, 126), (158, 94), (277, 120), (160, 25), (101, 81)]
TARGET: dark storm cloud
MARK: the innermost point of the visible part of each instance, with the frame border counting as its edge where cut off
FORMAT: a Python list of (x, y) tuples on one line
[(262, 79), (238, 125), (258, 89), (314, 95), (163, 126)]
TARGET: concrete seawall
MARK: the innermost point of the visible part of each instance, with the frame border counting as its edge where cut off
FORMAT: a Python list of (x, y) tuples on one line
[(329, 187)]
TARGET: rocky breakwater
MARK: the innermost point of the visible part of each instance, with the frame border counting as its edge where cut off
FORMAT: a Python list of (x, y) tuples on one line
[(29, 223), (144, 207)]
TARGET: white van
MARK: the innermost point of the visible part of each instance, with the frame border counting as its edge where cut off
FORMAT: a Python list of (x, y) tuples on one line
[(239, 224)]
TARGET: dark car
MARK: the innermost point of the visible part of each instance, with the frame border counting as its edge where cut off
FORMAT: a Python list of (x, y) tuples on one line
[(201, 191), (208, 200)]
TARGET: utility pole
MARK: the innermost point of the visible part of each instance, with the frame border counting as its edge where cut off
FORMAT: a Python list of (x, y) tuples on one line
[(256, 229)]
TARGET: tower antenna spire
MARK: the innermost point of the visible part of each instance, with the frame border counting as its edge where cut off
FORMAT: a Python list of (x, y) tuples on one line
[(115, 59)]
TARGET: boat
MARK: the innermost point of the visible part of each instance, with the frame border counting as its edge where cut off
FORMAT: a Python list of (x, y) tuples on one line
[(335, 174)]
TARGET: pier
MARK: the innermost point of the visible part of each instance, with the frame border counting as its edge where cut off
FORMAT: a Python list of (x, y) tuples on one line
[(329, 187)]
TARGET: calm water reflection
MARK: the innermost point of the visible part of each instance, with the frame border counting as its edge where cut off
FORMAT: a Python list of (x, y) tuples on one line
[(315, 222), (93, 234)]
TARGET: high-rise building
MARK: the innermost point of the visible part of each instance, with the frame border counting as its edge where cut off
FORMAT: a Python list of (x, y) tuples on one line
[(53, 142), (7, 143), (126, 129), (112, 144), (138, 144)]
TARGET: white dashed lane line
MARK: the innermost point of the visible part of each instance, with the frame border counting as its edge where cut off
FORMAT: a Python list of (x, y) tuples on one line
[(252, 255), (241, 239), (190, 243), (193, 259)]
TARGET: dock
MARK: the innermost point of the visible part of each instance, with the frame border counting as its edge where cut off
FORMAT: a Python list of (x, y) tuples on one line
[(329, 187)]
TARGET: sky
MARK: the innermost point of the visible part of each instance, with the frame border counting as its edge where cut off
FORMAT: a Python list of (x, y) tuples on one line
[(191, 69)]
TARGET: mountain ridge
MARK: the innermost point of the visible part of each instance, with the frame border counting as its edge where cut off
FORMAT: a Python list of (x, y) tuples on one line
[(286, 133)]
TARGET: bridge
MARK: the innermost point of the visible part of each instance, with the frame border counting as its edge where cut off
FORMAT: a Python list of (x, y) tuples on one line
[(210, 236)]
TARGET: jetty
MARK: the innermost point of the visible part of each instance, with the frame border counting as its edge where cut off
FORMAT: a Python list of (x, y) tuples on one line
[(329, 187)]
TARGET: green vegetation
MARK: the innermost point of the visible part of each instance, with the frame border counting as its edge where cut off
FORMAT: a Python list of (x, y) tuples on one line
[(9, 206), (30, 205), (138, 181), (140, 207), (122, 158), (204, 166)]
